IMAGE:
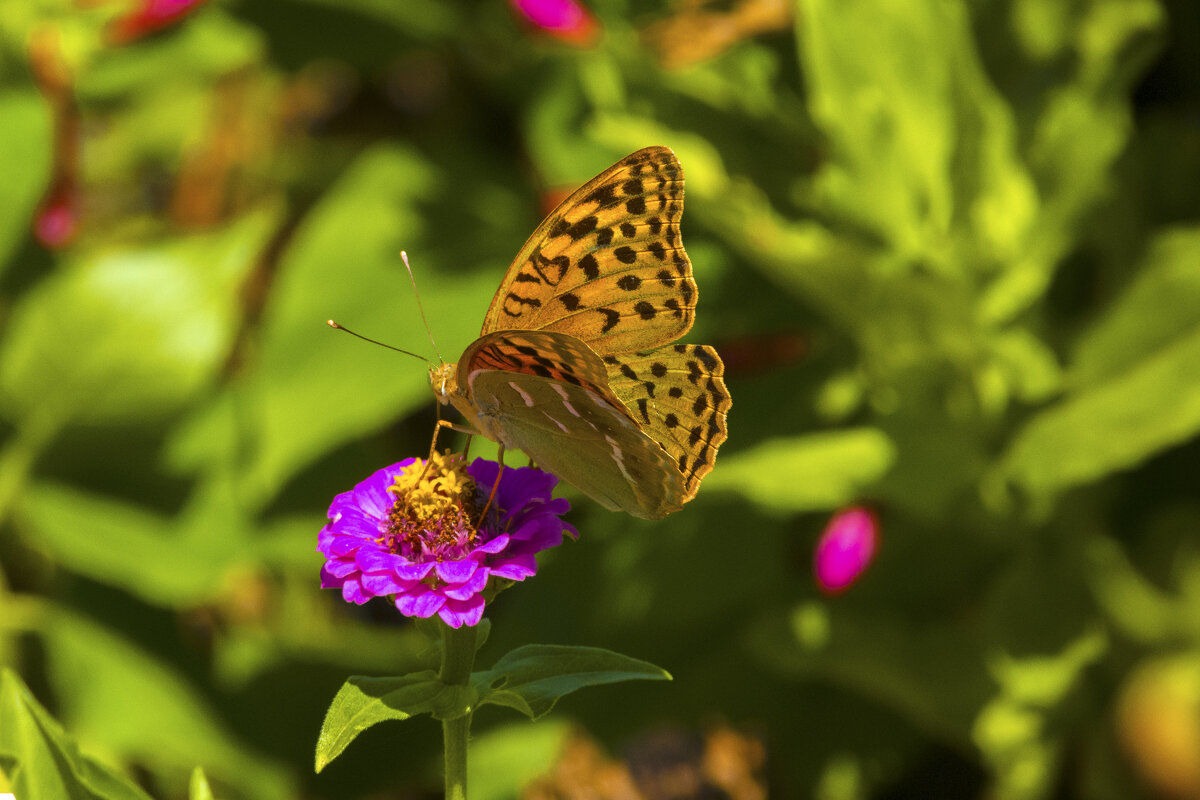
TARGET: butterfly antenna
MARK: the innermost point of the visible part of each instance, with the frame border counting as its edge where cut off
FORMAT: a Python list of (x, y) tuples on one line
[(339, 327), (421, 308)]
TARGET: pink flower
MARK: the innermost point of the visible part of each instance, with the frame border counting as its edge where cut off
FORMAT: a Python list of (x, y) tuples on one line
[(410, 533), (846, 548), (567, 20)]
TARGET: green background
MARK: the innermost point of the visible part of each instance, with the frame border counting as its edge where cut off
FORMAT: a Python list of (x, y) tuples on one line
[(979, 219)]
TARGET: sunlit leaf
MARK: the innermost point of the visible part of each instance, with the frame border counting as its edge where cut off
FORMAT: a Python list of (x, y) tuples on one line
[(363, 702), (146, 329), (1112, 426), (807, 473), (531, 679), (41, 761), (25, 161), (115, 693)]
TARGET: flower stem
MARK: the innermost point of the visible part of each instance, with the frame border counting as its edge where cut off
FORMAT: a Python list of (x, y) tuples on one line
[(458, 656)]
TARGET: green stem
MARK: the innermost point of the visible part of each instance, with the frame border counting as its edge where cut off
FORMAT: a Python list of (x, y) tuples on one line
[(458, 656)]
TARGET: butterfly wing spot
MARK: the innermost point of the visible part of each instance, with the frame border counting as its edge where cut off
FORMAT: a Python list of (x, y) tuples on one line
[(611, 318), (524, 395), (590, 267), (683, 408), (629, 283), (566, 400), (561, 427)]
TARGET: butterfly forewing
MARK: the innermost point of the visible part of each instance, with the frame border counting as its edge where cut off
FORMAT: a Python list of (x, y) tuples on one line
[(677, 395), (608, 265), (576, 365)]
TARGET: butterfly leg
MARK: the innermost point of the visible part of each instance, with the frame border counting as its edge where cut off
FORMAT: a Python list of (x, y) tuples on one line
[(495, 485)]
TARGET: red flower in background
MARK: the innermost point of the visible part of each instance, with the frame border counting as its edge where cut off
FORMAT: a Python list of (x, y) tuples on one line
[(146, 17)]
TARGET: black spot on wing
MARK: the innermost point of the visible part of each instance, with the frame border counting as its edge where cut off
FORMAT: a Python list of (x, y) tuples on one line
[(611, 318)]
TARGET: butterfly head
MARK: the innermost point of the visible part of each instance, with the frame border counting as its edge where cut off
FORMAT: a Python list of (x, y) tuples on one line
[(443, 381)]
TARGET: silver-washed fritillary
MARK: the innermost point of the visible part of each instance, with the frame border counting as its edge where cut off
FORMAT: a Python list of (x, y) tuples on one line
[(576, 364)]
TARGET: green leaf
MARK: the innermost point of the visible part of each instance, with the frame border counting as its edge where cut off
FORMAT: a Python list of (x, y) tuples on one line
[(924, 146), (210, 45), (1112, 426), (315, 388), (504, 760), (1160, 306), (157, 324), (116, 694), (94, 536), (363, 702), (198, 788), (41, 761), (807, 473), (532, 678), (24, 163)]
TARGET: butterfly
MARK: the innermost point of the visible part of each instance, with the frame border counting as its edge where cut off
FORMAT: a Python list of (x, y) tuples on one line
[(577, 363)]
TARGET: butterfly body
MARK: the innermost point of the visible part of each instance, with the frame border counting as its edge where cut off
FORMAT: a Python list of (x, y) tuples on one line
[(576, 364)]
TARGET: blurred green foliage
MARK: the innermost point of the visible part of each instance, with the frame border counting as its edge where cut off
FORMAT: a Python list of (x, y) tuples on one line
[(980, 218)]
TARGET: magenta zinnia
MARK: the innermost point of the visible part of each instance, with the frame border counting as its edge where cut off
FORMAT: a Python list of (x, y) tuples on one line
[(411, 534)]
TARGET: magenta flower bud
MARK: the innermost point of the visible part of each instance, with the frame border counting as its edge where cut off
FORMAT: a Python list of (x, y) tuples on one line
[(567, 20), (846, 548)]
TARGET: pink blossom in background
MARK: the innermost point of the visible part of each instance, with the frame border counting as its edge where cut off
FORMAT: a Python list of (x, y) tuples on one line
[(55, 223), (846, 548), (567, 20)]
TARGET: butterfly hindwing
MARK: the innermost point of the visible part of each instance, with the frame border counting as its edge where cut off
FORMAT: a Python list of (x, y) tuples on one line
[(581, 437), (608, 265), (677, 395)]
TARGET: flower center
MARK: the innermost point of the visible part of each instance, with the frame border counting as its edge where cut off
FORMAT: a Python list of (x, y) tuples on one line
[(431, 518)]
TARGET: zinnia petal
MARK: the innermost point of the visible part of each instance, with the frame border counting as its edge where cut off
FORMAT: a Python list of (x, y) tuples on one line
[(409, 532)]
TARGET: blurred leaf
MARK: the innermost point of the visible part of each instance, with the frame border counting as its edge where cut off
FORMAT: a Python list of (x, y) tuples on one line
[(417, 17), (198, 788), (929, 671), (24, 163), (1160, 306), (1114, 425), (807, 473), (129, 335), (1137, 608), (207, 45), (116, 694), (923, 144), (1082, 126), (315, 388), (363, 702), (532, 678), (505, 759), (98, 537), (39, 759)]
